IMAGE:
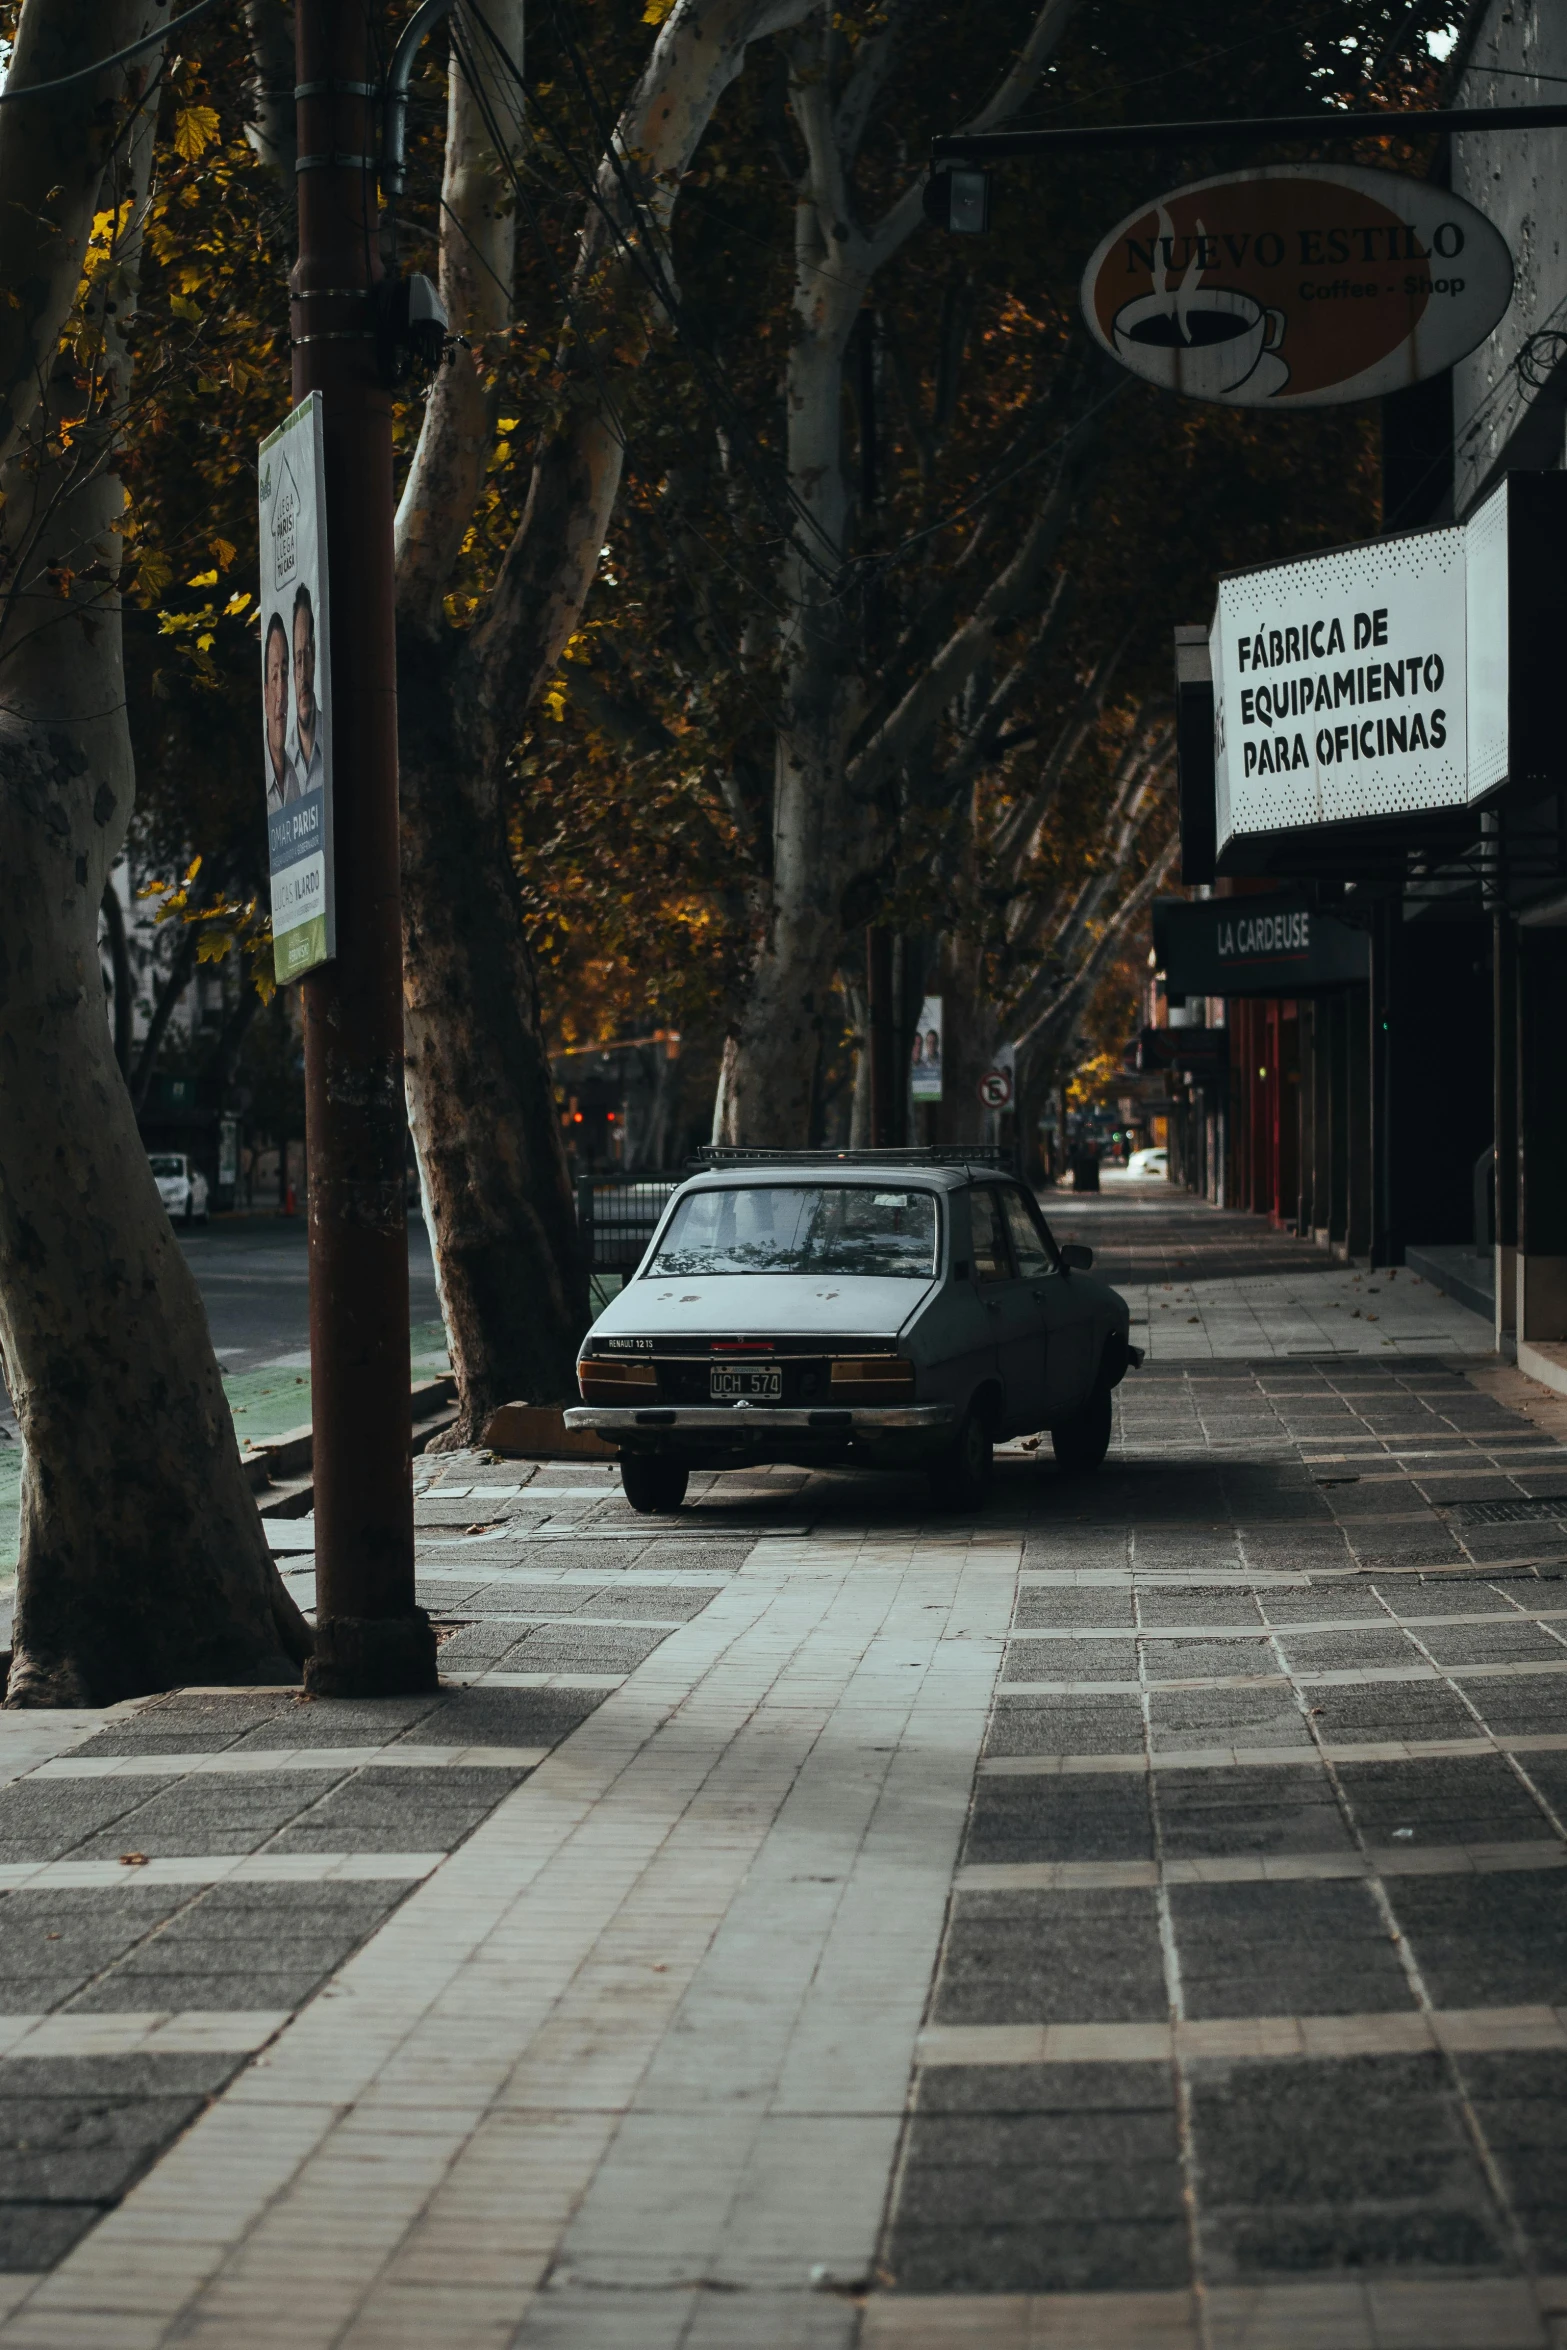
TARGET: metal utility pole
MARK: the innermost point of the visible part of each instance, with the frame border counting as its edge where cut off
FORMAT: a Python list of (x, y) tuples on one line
[(371, 1639)]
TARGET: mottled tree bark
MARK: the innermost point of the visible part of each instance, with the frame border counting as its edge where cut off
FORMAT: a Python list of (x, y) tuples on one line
[(271, 132), (143, 1562), (481, 1102), (481, 1099)]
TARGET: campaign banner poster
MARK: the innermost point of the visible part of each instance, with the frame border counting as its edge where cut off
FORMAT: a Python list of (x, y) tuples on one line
[(925, 1063), (296, 692)]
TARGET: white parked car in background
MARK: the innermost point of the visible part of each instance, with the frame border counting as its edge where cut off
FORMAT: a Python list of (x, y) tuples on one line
[(181, 1187), (852, 1309), (1151, 1166)]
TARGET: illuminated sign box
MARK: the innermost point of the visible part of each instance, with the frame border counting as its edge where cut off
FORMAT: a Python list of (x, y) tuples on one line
[(1409, 676)]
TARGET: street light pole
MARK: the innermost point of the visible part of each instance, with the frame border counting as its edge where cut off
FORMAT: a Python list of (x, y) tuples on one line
[(371, 1638)]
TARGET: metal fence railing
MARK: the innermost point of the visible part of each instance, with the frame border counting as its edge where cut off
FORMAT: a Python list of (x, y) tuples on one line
[(616, 1215)]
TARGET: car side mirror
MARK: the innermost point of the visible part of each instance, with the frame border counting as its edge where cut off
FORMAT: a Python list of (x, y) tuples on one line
[(1076, 1256)]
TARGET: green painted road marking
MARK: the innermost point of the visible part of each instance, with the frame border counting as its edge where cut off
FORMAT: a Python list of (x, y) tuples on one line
[(264, 1404)]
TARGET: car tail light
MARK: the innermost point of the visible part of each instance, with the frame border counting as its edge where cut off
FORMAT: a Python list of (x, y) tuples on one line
[(883, 1371), (602, 1379)]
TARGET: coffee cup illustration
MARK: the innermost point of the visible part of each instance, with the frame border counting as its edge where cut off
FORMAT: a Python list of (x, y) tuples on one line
[(1204, 342)]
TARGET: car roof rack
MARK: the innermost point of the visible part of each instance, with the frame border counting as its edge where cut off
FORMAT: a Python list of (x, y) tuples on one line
[(979, 1154)]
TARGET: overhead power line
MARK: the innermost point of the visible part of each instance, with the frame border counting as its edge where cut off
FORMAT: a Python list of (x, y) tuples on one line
[(86, 73), (1243, 130)]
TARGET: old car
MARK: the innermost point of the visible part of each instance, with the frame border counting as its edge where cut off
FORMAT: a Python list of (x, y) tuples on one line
[(182, 1187), (894, 1310)]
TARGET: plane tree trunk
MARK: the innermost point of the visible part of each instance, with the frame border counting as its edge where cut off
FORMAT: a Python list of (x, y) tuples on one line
[(481, 1097), (143, 1562)]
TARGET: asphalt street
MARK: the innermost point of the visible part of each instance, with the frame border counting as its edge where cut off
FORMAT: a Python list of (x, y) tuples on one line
[(254, 1277)]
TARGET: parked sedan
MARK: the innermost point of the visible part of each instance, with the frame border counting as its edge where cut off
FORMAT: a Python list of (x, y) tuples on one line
[(1148, 1166), (181, 1187), (852, 1310)]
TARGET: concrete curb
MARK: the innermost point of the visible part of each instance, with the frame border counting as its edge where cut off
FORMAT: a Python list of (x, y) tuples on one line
[(279, 1470)]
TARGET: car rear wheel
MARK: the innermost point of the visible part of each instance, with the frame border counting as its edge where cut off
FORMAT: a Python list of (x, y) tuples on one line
[(652, 1485), (1081, 1443), (960, 1480)]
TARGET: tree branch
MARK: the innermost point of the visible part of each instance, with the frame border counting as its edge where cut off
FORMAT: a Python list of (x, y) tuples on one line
[(60, 144), (637, 730), (985, 742), (550, 565), (272, 136), (484, 138), (1068, 998), (916, 715), (874, 60), (1045, 35), (124, 1006), (174, 986), (1017, 829)]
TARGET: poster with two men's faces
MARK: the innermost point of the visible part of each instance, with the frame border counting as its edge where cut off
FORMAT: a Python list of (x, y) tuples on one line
[(296, 696)]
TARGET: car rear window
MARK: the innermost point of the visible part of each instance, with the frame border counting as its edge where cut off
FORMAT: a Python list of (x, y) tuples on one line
[(802, 1228), (166, 1167)]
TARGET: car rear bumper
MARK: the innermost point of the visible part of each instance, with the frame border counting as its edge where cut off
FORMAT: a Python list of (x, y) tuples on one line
[(757, 1419)]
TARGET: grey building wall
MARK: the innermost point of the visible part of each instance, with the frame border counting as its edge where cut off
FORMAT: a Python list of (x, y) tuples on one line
[(1501, 421)]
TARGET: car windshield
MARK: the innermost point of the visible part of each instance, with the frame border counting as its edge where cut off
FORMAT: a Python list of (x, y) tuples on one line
[(802, 1228), (166, 1166)]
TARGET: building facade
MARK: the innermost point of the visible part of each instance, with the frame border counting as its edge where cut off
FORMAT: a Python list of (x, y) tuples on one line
[(1411, 1111)]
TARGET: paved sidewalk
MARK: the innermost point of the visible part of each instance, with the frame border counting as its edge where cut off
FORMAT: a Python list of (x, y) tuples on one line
[(1203, 1282), (1133, 1917)]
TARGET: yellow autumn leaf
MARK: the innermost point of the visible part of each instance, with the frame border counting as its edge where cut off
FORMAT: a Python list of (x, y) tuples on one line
[(555, 702), (195, 127), (203, 579), (656, 11), (236, 603)]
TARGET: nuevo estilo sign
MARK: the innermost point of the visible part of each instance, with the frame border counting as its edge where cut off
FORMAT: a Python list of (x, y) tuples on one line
[(1297, 285)]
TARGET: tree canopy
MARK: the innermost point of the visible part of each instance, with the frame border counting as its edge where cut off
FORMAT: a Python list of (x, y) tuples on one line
[(640, 784)]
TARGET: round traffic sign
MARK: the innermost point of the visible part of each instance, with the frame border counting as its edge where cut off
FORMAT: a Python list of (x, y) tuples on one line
[(995, 1089)]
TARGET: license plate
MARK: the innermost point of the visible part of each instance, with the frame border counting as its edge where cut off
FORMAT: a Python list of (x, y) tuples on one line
[(759, 1386)]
